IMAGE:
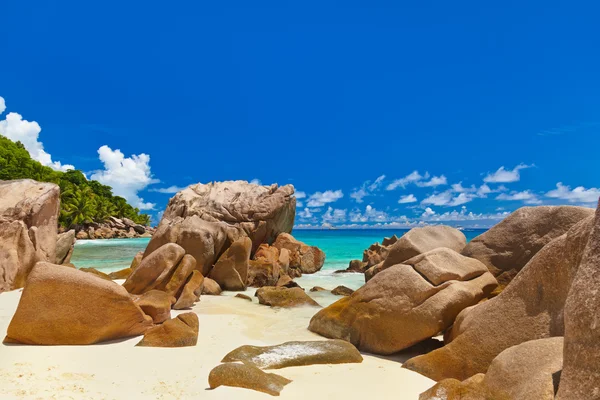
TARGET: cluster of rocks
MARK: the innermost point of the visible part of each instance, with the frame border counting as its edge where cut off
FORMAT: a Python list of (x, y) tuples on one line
[(534, 336), (254, 359), (113, 228)]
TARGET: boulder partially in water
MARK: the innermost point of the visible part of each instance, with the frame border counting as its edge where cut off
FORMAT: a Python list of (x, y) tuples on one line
[(418, 241), (284, 297)]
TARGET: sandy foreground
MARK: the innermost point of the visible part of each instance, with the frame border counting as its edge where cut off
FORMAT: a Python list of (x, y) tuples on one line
[(119, 370)]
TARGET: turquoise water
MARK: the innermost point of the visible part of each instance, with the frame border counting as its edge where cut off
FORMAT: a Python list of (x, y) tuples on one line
[(340, 246)]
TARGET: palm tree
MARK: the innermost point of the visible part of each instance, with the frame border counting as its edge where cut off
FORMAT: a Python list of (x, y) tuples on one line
[(79, 208), (104, 209)]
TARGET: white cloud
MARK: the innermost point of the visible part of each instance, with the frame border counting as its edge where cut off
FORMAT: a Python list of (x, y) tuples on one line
[(16, 129), (300, 195), (366, 189), (376, 183), (577, 195), (526, 196), (428, 213), (333, 216), (170, 189), (370, 214), (458, 188), (126, 175), (434, 182), (503, 175), (299, 204), (413, 177), (438, 199), (409, 198), (319, 199), (461, 199), (256, 181), (359, 194)]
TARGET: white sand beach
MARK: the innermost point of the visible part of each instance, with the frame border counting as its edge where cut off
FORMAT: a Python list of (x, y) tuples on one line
[(119, 370)]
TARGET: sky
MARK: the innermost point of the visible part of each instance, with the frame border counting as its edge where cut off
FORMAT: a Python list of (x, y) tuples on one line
[(379, 113)]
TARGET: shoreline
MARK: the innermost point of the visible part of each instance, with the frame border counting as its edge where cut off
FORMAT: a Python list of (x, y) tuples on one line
[(118, 369)]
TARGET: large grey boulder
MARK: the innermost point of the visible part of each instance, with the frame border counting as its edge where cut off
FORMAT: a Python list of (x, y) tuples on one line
[(65, 244), (507, 247), (418, 241), (407, 303), (530, 370), (580, 378), (531, 307), (263, 212), (28, 228)]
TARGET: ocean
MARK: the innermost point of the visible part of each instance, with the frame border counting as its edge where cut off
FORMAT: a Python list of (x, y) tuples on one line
[(340, 246)]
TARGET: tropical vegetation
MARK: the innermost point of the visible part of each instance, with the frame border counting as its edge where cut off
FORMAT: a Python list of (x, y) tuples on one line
[(83, 201)]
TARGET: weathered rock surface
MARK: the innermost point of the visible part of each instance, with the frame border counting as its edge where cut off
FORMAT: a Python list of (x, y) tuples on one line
[(418, 241), (28, 221), (509, 245), (137, 259), (211, 288), (580, 377), (342, 291), (286, 281), (284, 297), (530, 308), (247, 377), (263, 273), (526, 371), (293, 354), (202, 239), (61, 305), (65, 244), (182, 273), (94, 271), (177, 332), (318, 289), (356, 266), (191, 291), (243, 296), (156, 304), (376, 253), (120, 274), (308, 259), (262, 212), (231, 270), (406, 303), (155, 269)]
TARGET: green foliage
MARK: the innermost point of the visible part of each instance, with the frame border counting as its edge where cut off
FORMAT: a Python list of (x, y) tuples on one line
[(82, 201)]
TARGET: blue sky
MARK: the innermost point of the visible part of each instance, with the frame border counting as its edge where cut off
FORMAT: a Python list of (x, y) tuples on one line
[(375, 111)]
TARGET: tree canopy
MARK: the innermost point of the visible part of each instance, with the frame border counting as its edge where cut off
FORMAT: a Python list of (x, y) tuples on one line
[(82, 200)]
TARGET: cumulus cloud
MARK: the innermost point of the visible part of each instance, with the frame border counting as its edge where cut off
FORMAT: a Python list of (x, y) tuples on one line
[(413, 177), (409, 198), (256, 181), (577, 195), (300, 195), (370, 214), (434, 182), (170, 189), (333, 215), (428, 213), (366, 189), (126, 175), (16, 129), (319, 199), (438, 199), (525, 196), (503, 175)]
